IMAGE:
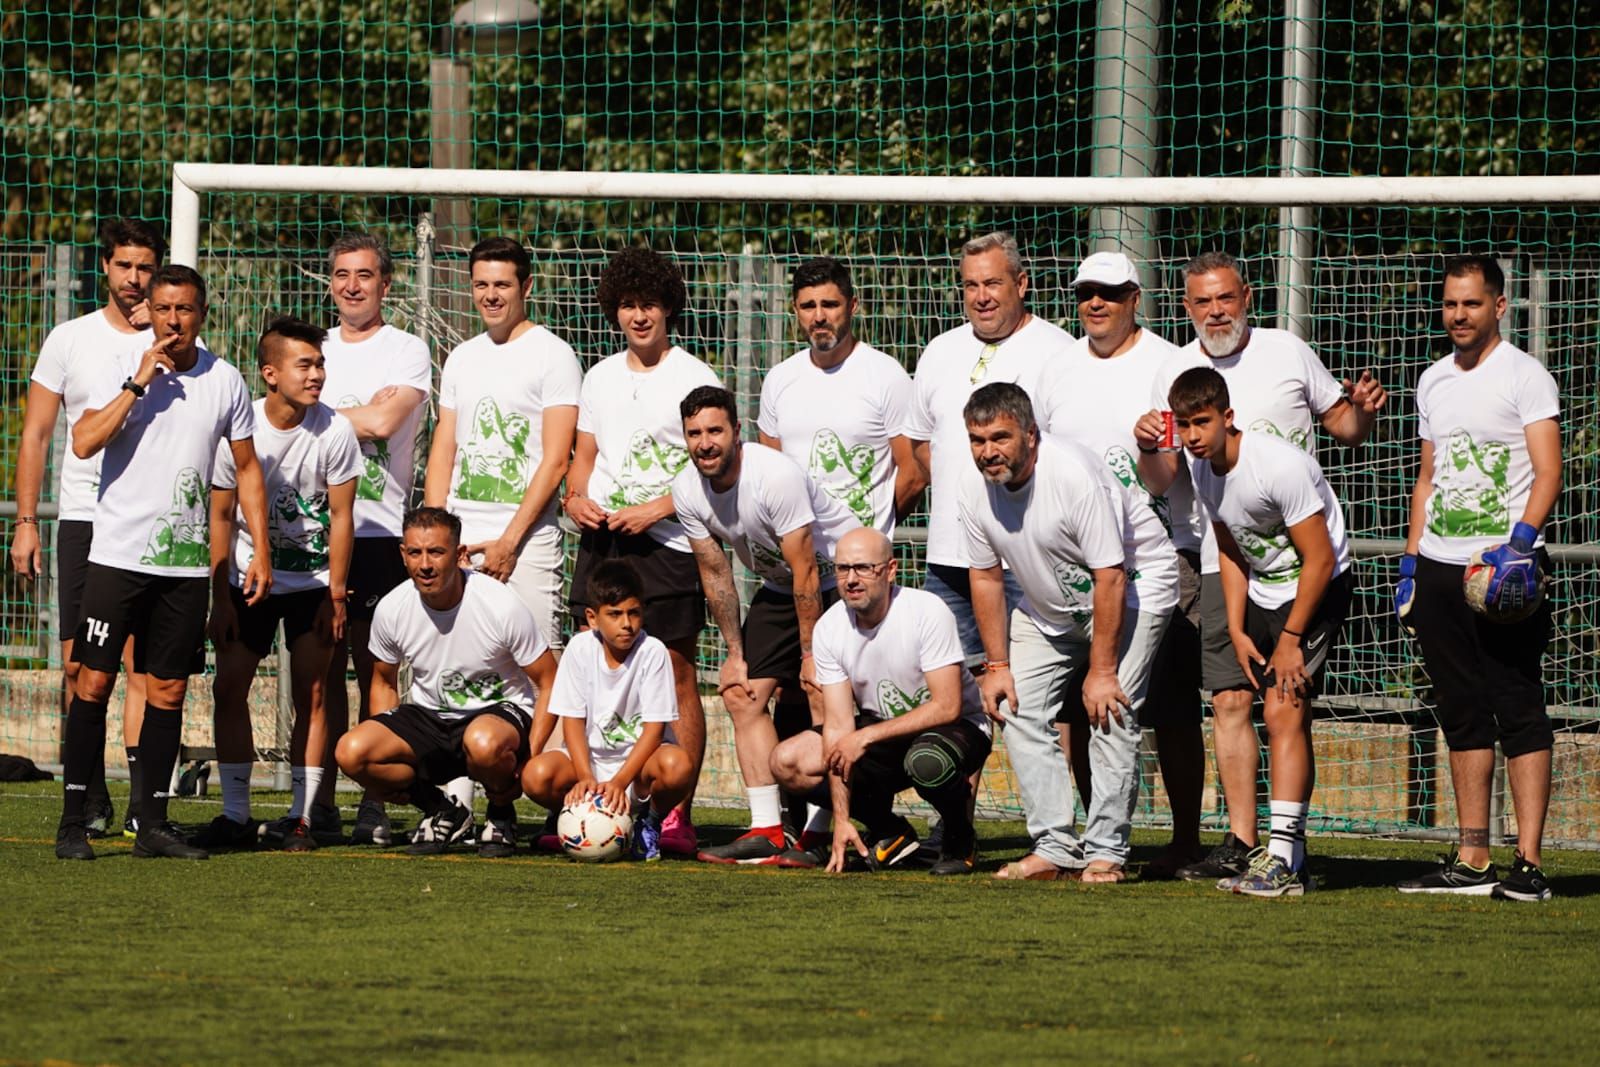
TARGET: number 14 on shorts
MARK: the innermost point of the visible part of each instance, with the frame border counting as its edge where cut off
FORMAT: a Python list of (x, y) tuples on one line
[(97, 630)]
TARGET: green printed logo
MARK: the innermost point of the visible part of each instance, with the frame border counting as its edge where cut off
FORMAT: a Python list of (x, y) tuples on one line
[(1299, 438), (1126, 469), (374, 461), (182, 537), (1075, 582), (844, 473), (1258, 546), (894, 702), (461, 691), (297, 530), (770, 564), (620, 732), (647, 470), (1472, 497), (493, 467)]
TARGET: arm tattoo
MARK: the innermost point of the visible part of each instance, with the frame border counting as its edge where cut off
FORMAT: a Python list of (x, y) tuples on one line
[(717, 578)]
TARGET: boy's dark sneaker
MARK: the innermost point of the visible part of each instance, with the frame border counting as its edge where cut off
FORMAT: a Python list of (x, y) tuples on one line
[(299, 838), (1453, 876), (102, 816), (1229, 859), (372, 825), (755, 848), (72, 842), (959, 852), (130, 826), (499, 838), (164, 840), (223, 833), (1524, 882), (327, 825)]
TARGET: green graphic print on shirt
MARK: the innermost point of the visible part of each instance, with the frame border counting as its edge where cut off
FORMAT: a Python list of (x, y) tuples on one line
[(1257, 546), (297, 545), (374, 461), (1299, 438), (620, 731), (182, 537), (1472, 497), (1122, 464), (894, 702), (494, 467), (828, 455), (771, 565), (1077, 585), (647, 470), (483, 690)]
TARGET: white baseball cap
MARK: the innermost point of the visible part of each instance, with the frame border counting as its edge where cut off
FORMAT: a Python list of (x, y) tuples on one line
[(1107, 268)]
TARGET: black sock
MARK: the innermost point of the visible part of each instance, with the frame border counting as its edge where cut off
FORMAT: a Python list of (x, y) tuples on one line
[(502, 812), (428, 797), (135, 781), (85, 734), (159, 740), (874, 809), (99, 795), (950, 801)]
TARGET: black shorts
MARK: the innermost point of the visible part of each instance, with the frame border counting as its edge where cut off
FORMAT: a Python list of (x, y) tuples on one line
[(1265, 625), (674, 606), (1174, 696), (375, 569), (771, 634), (258, 624), (165, 616), (72, 570), (960, 747), (1487, 677), (436, 741)]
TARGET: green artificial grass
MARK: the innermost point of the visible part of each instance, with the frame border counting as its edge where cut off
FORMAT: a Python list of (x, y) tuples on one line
[(364, 956)]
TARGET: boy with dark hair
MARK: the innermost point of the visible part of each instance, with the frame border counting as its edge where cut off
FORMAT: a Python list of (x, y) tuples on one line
[(614, 695), (311, 461)]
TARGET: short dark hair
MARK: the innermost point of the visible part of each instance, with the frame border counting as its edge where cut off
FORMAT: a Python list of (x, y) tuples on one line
[(996, 399), (1208, 262), (1196, 389), (121, 233), (709, 396), (644, 274), (363, 242), (287, 328), (613, 581), (178, 274), (821, 271), (1494, 279), (426, 518), (501, 250)]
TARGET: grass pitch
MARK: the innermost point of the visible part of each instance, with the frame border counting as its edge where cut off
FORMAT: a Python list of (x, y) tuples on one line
[(362, 956)]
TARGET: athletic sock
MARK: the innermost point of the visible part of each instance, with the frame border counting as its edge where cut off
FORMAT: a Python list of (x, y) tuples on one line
[(1288, 839), (236, 790), (159, 741), (98, 791), (460, 791), (818, 819), (766, 810), (85, 734), (501, 813), (135, 780), (303, 785)]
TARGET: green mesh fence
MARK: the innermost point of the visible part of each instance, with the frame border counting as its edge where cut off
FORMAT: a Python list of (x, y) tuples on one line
[(95, 109)]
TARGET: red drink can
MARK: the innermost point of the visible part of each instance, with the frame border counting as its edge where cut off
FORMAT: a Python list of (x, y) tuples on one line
[(1168, 442)]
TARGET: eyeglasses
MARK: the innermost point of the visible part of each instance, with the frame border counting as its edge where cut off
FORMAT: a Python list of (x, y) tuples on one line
[(980, 368), (1111, 295), (845, 570)]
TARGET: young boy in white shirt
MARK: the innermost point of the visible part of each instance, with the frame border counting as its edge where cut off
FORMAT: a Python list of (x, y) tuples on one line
[(614, 695)]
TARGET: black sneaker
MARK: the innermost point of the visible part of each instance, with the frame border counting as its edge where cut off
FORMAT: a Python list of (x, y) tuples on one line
[(1523, 881), (130, 826), (753, 849), (223, 833), (890, 848), (102, 816), (1229, 859), (958, 854), (445, 827), (327, 827), (164, 840), (72, 842), (299, 838), (372, 825), (1453, 876), (498, 839)]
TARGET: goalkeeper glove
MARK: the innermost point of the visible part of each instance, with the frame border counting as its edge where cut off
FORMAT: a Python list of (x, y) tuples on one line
[(1516, 580), (1406, 591)]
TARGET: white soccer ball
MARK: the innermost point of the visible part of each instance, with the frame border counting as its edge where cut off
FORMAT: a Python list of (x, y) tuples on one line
[(1512, 606), (592, 834)]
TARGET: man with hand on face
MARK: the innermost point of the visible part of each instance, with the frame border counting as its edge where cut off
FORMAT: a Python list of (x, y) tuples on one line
[(71, 362), (149, 564)]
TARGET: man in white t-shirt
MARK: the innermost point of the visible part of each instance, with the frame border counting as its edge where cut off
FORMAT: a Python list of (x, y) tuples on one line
[(379, 377), (900, 710), (1487, 415), (310, 461), (149, 563), (1278, 386), (1100, 580), (1001, 341), (838, 406), (1094, 394), (619, 490), (783, 529), (1284, 562), (69, 365), (481, 674)]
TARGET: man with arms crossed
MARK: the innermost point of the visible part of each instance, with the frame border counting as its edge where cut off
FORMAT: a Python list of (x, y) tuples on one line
[(149, 564), (1491, 471), (477, 660)]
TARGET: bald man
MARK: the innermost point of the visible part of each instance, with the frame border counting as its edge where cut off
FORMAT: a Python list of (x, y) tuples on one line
[(900, 710)]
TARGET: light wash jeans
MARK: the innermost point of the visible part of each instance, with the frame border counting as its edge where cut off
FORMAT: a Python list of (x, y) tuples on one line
[(1041, 665)]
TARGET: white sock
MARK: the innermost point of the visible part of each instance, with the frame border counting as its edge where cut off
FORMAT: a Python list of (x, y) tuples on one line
[(460, 791), (817, 819), (765, 807), (303, 785), (1288, 840), (236, 790)]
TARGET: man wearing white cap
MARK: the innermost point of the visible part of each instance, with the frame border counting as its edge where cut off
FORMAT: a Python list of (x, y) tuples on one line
[(1093, 395)]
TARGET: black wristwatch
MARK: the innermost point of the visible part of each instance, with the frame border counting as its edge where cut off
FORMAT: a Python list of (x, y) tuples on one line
[(133, 387)]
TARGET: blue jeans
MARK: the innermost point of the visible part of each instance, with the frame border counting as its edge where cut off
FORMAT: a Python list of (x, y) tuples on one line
[(953, 585)]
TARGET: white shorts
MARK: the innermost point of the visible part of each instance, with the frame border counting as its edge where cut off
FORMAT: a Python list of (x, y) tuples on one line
[(536, 580)]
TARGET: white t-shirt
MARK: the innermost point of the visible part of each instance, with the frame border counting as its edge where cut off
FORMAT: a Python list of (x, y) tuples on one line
[(355, 372), (499, 394), (1096, 401), (75, 362), (1070, 518), (298, 465), (772, 497), (615, 702), (1273, 486), (1276, 385), (886, 666), (638, 432), (1482, 474), (939, 391), (837, 424), (154, 512), (465, 659), (1188, 525)]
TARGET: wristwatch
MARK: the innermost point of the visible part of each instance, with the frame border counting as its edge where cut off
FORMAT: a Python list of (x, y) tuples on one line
[(133, 387)]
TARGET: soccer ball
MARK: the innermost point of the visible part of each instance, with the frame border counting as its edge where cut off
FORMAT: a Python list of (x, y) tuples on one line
[(1512, 605), (592, 834)]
